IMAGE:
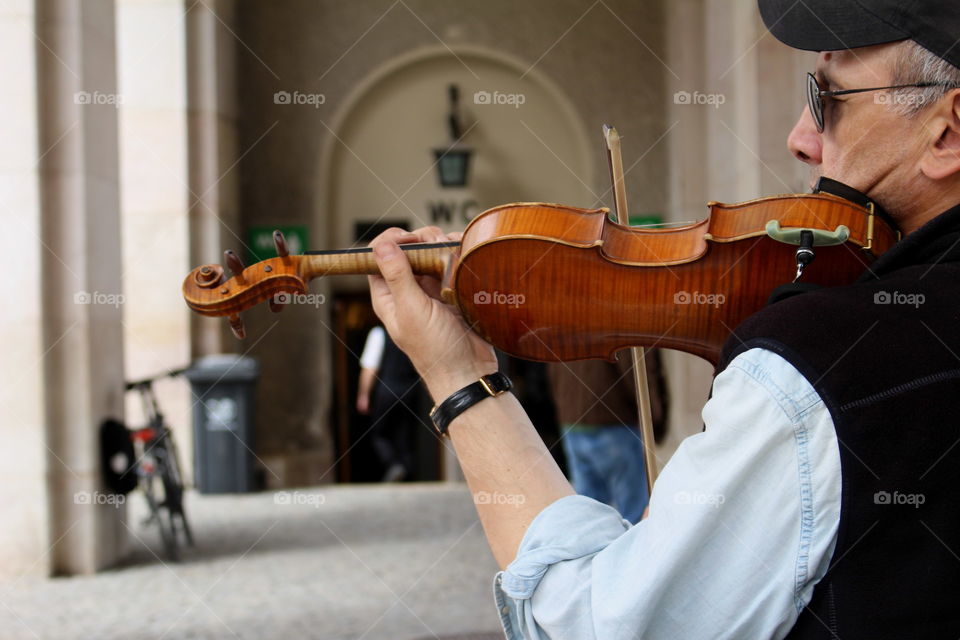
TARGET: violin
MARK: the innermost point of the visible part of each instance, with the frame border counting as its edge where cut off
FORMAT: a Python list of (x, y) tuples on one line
[(550, 283)]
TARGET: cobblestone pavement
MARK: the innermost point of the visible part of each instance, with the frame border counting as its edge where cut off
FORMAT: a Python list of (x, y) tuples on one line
[(397, 562)]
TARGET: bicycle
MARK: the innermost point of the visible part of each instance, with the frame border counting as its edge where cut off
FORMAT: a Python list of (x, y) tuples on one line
[(158, 469)]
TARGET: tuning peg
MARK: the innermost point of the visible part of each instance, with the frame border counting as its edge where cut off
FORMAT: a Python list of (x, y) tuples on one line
[(208, 276), (233, 263), (236, 325), (278, 302), (280, 243)]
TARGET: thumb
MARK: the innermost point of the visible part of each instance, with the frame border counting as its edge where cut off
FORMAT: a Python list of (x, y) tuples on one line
[(396, 271)]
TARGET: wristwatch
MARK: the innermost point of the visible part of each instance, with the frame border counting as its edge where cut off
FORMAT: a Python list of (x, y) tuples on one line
[(487, 386)]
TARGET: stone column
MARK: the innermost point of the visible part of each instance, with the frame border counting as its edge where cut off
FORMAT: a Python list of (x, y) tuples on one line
[(24, 537), (212, 154), (82, 334), (153, 137)]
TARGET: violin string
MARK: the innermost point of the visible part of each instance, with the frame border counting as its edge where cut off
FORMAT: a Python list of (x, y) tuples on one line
[(405, 247), (664, 225), (441, 245)]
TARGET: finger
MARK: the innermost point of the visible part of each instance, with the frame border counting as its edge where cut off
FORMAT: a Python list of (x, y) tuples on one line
[(430, 285), (431, 234), (402, 236), (433, 286), (426, 235), (396, 235), (382, 300), (378, 286)]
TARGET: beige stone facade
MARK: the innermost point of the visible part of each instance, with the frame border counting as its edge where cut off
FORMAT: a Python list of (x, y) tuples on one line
[(143, 137)]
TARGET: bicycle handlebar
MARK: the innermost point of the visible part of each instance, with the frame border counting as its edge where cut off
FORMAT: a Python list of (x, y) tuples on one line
[(146, 382)]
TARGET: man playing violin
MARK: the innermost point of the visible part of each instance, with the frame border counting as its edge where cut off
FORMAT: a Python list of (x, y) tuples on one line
[(821, 499)]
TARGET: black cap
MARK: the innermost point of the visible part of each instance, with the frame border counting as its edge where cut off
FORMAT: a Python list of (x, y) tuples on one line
[(833, 25)]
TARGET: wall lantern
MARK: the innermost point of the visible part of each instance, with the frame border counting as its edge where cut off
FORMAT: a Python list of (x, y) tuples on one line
[(453, 162)]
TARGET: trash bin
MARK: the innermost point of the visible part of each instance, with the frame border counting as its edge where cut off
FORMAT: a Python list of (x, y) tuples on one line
[(223, 388)]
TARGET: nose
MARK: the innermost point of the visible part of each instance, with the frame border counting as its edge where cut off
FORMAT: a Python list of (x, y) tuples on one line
[(805, 142)]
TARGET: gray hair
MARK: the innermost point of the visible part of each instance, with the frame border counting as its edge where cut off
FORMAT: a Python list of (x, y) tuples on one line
[(915, 65)]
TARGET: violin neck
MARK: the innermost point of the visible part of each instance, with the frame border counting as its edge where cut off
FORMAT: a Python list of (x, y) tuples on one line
[(425, 258)]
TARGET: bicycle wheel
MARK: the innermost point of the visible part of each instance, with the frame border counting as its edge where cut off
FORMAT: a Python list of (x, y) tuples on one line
[(173, 486), (167, 533)]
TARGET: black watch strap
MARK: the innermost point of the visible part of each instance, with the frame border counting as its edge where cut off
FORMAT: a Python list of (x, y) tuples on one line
[(459, 401)]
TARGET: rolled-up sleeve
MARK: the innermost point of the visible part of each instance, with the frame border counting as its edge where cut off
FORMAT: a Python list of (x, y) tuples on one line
[(573, 527), (742, 525)]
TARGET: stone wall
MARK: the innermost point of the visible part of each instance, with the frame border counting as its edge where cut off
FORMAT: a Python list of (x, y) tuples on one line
[(605, 57)]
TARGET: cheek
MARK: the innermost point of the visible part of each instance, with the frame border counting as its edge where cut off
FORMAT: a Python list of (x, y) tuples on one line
[(847, 152), (832, 155), (865, 156)]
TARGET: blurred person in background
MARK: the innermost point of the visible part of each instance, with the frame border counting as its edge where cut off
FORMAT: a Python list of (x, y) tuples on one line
[(596, 405), (388, 394)]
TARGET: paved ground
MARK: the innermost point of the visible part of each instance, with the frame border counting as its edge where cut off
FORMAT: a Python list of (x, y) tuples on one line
[(398, 562)]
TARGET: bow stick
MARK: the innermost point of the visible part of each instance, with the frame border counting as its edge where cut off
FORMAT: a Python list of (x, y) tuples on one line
[(612, 139)]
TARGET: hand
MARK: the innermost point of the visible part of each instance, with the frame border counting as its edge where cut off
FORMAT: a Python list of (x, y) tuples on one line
[(363, 404), (446, 353)]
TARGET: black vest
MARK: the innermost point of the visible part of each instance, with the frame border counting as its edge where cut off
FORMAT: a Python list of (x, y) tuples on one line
[(884, 354)]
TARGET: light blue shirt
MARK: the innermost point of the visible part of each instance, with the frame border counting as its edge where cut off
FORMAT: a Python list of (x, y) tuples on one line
[(743, 522)]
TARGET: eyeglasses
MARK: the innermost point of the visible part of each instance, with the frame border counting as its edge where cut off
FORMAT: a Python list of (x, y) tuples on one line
[(815, 95)]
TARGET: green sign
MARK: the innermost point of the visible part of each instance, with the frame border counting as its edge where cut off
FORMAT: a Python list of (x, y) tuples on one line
[(641, 219), (646, 220), (260, 240)]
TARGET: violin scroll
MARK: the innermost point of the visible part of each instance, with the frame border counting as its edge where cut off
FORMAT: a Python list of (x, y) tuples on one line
[(208, 292)]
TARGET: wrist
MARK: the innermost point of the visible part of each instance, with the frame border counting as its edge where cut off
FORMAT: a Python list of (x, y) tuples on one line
[(442, 384), (488, 386)]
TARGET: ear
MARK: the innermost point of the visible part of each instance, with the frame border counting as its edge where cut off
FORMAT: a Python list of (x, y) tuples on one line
[(942, 158)]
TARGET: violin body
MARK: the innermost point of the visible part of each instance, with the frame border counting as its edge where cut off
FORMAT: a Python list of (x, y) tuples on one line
[(549, 282), (552, 283)]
